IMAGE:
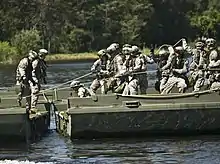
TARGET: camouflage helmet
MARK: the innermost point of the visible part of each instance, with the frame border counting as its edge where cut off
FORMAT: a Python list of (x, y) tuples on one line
[(32, 54), (43, 52), (135, 49), (102, 52), (163, 52), (210, 42), (126, 50), (127, 45), (75, 84), (199, 44), (113, 47)]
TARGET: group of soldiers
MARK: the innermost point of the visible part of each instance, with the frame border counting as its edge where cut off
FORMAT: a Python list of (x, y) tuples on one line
[(124, 69), (30, 74)]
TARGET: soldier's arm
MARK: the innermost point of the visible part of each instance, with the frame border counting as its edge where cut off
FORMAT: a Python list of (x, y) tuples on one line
[(35, 64), (184, 69), (138, 65), (94, 67), (22, 66)]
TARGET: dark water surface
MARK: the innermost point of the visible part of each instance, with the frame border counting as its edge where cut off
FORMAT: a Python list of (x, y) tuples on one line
[(54, 148)]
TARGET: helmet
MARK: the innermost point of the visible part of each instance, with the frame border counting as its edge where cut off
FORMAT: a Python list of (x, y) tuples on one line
[(102, 52), (75, 84), (210, 42), (135, 49), (163, 52), (127, 45), (126, 50), (43, 52), (32, 54), (179, 48), (113, 47), (199, 44)]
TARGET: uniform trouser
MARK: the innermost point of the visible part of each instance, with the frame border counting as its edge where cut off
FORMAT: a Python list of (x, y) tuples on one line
[(35, 89), (215, 85), (172, 81), (143, 83), (99, 83), (131, 87), (25, 91)]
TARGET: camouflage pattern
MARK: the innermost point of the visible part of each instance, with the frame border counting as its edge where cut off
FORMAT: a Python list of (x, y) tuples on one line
[(101, 69)]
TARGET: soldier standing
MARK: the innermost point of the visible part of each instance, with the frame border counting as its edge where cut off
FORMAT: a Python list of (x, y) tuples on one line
[(38, 75), (24, 79)]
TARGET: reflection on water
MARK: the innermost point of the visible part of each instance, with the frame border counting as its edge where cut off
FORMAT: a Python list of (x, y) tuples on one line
[(54, 148)]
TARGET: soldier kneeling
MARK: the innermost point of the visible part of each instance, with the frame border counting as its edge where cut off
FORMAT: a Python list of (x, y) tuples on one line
[(79, 90)]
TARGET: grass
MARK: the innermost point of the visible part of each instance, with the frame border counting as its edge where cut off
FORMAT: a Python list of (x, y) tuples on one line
[(71, 57), (77, 56)]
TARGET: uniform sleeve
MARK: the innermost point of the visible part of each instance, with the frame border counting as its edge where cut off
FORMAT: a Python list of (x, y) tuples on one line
[(35, 65), (22, 66), (138, 64), (95, 66)]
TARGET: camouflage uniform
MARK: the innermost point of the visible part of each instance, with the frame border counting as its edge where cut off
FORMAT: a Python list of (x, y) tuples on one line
[(135, 64), (24, 78), (214, 63), (143, 80), (79, 90), (101, 68), (178, 68), (199, 63)]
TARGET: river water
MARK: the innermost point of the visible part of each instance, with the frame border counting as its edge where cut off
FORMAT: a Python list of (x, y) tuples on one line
[(54, 148)]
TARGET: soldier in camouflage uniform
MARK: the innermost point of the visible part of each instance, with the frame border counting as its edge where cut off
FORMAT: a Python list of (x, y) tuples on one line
[(79, 90), (214, 64), (38, 75), (143, 80), (178, 67), (198, 66), (101, 69), (25, 80), (134, 67)]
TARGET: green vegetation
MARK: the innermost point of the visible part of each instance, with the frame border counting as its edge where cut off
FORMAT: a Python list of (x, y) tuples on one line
[(72, 26)]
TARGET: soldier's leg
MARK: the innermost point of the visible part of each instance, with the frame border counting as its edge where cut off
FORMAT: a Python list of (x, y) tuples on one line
[(198, 84), (103, 84), (171, 82), (34, 95), (181, 84), (95, 85), (133, 87), (143, 82), (26, 92), (215, 85)]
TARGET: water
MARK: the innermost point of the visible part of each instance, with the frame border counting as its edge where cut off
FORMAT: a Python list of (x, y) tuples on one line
[(54, 148)]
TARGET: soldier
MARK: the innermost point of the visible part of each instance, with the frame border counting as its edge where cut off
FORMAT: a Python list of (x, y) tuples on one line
[(198, 66), (134, 67), (38, 75), (121, 66), (214, 63), (101, 69), (25, 80), (145, 60), (79, 90), (178, 67)]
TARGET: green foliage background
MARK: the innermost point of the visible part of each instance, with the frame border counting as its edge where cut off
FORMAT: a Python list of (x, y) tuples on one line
[(71, 26)]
